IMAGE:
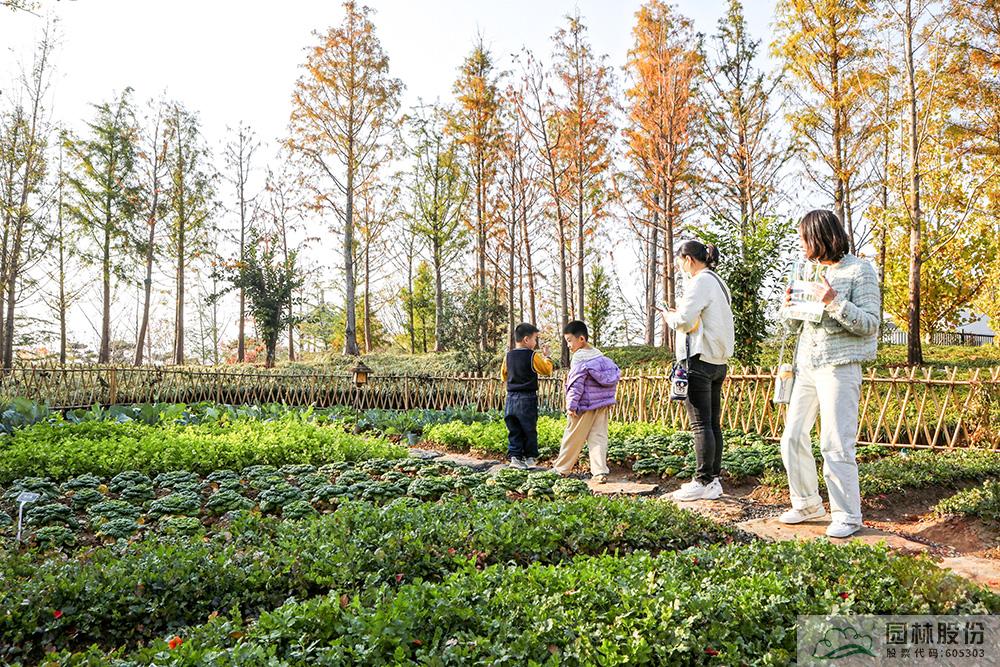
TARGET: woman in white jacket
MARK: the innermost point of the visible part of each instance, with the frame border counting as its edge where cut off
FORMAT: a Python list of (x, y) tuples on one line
[(705, 339)]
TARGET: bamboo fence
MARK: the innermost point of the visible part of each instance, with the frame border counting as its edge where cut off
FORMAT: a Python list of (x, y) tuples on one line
[(899, 407)]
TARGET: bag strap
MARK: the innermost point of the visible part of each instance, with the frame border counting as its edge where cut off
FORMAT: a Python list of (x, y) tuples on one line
[(725, 290), (795, 352)]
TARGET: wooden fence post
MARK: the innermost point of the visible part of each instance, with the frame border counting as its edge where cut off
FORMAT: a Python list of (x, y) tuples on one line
[(112, 386)]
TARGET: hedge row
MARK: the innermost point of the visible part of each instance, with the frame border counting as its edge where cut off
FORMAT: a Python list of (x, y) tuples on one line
[(103, 448), (126, 593), (717, 605)]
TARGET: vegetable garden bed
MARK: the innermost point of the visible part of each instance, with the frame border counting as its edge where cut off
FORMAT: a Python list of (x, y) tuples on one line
[(196, 535)]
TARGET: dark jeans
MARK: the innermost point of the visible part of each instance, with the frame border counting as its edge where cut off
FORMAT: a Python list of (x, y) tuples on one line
[(704, 406), (521, 416)]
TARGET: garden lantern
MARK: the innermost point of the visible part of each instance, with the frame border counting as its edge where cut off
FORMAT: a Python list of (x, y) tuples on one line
[(361, 373)]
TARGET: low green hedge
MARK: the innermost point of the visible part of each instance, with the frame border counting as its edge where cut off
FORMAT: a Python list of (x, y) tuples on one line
[(980, 501), (88, 509), (914, 470), (726, 605), (64, 450), (131, 592), (490, 437)]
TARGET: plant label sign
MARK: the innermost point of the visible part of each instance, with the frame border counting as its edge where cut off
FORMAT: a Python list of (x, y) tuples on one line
[(23, 499), (26, 497)]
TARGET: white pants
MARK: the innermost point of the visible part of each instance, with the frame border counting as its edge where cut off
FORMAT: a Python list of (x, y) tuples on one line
[(590, 428), (833, 392)]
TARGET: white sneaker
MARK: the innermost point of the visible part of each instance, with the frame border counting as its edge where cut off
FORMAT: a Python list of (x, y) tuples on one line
[(693, 490), (518, 463), (713, 490), (798, 516), (599, 479), (530, 462), (840, 528)]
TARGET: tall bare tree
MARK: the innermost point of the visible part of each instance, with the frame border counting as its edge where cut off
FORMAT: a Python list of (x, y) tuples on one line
[(664, 66), (439, 190), (106, 198), (343, 110), (154, 144), (239, 157), (744, 154), (24, 137), (544, 124), (191, 205), (586, 109)]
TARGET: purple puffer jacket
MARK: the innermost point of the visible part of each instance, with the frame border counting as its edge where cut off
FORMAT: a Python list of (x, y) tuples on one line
[(591, 382)]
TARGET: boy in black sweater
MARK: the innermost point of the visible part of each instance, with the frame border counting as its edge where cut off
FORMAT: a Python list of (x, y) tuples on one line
[(520, 370)]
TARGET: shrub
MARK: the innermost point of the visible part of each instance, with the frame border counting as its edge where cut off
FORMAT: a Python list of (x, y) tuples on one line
[(728, 605), (981, 501), (62, 451), (128, 592)]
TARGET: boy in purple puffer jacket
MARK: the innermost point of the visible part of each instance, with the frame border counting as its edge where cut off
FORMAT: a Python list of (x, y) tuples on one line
[(590, 393)]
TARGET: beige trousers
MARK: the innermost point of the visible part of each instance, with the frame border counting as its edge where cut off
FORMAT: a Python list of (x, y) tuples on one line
[(589, 427)]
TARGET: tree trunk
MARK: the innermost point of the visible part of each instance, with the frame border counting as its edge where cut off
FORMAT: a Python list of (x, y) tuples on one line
[(147, 286), (883, 232), (563, 293), (105, 354), (529, 266), (438, 296), (350, 316), (368, 307), (510, 280), (652, 254), (580, 278), (179, 312), (669, 281), (413, 322), (914, 350), (241, 340)]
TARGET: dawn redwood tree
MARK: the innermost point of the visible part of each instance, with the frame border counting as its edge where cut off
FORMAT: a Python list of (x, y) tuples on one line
[(154, 144), (106, 198), (825, 46), (343, 114), (664, 65), (586, 109), (239, 157), (475, 122), (439, 191), (191, 203)]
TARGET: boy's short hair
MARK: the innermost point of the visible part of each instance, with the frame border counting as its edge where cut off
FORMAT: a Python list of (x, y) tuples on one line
[(523, 330), (577, 328)]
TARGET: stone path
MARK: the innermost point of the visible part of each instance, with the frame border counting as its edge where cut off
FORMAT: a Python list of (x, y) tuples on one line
[(734, 511)]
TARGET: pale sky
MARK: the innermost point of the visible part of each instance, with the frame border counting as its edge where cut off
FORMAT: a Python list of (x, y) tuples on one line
[(238, 59), (234, 61)]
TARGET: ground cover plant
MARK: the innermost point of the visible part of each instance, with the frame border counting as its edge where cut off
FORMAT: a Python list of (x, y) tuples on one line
[(88, 509), (979, 501), (714, 604), (134, 591), (105, 448), (915, 469)]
